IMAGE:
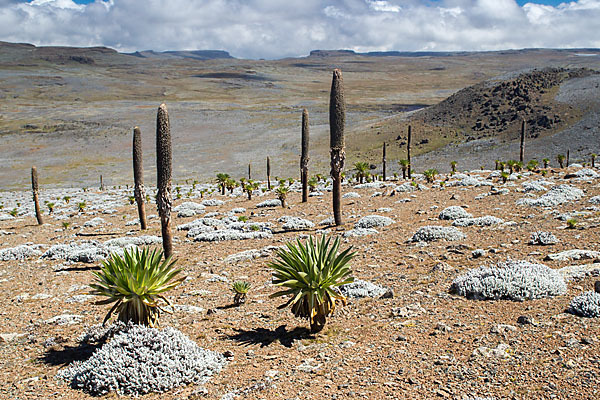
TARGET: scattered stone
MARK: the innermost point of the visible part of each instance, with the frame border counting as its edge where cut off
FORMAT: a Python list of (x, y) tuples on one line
[(501, 351), (575, 254), (525, 320), (542, 238), (477, 253), (65, 319)]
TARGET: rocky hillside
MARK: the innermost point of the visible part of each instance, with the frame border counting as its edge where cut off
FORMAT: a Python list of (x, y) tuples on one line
[(497, 107)]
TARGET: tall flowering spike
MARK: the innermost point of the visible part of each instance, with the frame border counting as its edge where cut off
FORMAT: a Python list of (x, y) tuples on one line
[(304, 157), (408, 152), (163, 168), (35, 190), (522, 150), (383, 161), (138, 176), (268, 173), (337, 120)]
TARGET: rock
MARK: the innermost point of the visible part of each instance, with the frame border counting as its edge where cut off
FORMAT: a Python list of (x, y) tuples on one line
[(575, 254), (597, 286), (501, 351), (502, 329), (65, 319), (526, 320)]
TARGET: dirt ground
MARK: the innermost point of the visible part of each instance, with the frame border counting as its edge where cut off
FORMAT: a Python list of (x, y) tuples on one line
[(420, 344)]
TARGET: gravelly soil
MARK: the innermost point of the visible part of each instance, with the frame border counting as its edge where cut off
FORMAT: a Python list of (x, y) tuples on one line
[(423, 343)]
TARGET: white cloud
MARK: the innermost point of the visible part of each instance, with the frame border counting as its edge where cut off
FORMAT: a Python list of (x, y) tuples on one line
[(275, 28)]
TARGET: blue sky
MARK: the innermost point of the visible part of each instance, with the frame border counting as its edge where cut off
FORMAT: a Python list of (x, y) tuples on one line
[(278, 28)]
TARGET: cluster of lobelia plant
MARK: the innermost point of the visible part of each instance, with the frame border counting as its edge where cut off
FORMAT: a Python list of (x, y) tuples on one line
[(135, 283), (310, 274)]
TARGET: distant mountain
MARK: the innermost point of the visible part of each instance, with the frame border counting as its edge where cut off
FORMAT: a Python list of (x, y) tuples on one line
[(193, 54)]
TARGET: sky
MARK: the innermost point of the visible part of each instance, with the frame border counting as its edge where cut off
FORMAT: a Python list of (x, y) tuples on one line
[(282, 28)]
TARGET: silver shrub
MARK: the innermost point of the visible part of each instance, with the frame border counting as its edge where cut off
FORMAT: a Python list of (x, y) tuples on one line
[(373, 221), (454, 212), (269, 203), (512, 280), (360, 288), (351, 195), (20, 252), (295, 223), (557, 195), (543, 238), (358, 232), (431, 233), (212, 202), (479, 221), (586, 305), (143, 360)]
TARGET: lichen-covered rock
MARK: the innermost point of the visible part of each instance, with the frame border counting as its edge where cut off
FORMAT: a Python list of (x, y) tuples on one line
[(269, 203), (557, 195), (453, 213), (479, 221), (373, 221), (21, 252), (543, 238), (586, 305), (513, 280), (432, 233), (360, 288), (295, 223), (143, 360)]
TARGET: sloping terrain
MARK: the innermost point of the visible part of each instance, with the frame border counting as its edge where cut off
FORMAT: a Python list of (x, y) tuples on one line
[(73, 109)]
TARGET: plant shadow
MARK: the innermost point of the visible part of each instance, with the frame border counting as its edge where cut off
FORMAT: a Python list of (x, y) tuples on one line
[(68, 354), (80, 268), (266, 337)]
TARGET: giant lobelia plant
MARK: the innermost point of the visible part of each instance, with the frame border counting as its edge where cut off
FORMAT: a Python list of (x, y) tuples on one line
[(136, 283), (310, 273)]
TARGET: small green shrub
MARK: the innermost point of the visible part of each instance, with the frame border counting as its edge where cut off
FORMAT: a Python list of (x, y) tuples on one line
[(572, 223), (241, 289)]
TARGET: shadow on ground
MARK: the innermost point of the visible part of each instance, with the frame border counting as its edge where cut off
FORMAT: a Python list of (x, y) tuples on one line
[(266, 337), (68, 354)]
